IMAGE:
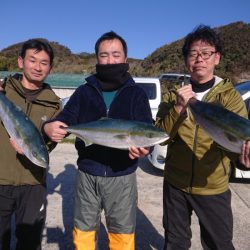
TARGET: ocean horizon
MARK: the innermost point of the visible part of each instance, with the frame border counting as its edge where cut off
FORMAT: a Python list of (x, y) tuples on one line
[(57, 79)]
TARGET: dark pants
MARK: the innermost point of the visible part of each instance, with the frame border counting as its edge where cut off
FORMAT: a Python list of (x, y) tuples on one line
[(28, 204), (213, 211)]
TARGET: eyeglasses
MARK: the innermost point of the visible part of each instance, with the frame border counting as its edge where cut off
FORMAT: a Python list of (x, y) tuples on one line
[(205, 55)]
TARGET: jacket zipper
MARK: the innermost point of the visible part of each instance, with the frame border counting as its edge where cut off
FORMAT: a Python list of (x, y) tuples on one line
[(28, 109), (195, 146), (107, 110), (193, 158), (107, 114), (206, 98), (222, 162)]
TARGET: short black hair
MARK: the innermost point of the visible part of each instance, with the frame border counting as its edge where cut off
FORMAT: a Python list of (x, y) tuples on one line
[(205, 34), (110, 36), (38, 45)]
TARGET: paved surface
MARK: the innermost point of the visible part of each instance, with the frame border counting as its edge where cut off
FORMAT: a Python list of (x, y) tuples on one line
[(149, 232)]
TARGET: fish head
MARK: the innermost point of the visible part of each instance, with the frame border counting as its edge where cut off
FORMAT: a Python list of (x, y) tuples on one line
[(148, 135), (39, 158), (157, 136)]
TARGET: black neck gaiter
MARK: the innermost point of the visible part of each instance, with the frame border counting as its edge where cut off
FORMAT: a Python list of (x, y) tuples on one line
[(112, 76), (197, 88)]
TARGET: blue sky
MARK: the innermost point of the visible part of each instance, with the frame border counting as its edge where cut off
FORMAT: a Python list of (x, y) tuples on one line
[(145, 24)]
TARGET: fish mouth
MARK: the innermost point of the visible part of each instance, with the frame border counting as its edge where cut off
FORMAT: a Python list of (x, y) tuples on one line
[(40, 163)]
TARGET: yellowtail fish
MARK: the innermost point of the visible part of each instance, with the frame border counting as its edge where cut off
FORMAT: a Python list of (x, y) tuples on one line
[(117, 133), (24, 132), (225, 127)]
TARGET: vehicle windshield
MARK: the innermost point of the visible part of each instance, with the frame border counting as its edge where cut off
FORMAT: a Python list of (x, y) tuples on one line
[(150, 89)]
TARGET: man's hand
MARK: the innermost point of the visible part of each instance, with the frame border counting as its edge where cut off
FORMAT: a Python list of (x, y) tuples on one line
[(15, 146), (137, 152), (245, 154), (182, 97), (54, 130)]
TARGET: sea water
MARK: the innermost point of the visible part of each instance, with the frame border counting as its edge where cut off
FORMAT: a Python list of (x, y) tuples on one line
[(57, 79)]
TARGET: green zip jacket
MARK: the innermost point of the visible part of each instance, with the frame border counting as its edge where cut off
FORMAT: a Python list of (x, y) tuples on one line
[(16, 169), (194, 162)]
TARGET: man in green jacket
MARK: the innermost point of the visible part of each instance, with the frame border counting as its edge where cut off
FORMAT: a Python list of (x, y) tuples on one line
[(23, 184), (197, 170)]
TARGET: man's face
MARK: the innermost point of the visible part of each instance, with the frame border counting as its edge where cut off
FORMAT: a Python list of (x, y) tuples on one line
[(201, 61), (35, 65), (111, 52)]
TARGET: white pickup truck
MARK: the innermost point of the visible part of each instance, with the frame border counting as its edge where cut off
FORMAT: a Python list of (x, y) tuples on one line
[(152, 87)]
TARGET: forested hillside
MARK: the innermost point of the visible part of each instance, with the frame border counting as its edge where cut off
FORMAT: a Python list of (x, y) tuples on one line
[(168, 58), (235, 61)]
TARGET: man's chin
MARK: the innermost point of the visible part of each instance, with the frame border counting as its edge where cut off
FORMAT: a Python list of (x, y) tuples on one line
[(37, 81)]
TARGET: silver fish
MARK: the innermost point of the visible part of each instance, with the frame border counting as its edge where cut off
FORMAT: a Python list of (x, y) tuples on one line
[(117, 133), (225, 127), (24, 132)]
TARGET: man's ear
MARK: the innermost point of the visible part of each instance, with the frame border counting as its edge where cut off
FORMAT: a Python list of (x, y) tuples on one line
[(217, 58), (51, 66), (20, 62)]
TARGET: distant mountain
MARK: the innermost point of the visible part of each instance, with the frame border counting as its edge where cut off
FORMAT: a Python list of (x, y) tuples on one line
[(235, 63), (168, 58), (64, 61)]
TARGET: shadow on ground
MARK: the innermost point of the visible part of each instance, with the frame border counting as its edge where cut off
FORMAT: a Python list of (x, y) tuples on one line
[(148, 168), (65, 181)]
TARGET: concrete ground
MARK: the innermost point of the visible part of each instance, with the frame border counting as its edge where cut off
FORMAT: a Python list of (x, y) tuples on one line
[(149, 231)]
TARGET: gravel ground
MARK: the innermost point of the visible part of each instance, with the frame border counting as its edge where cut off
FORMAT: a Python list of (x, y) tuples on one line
[(149, 231)]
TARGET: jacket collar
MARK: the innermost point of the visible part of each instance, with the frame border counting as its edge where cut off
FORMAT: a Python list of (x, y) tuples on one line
[(42, 98), (220, 85)]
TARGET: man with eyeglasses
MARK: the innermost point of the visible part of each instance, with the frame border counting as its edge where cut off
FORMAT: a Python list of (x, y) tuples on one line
[(197, 170)]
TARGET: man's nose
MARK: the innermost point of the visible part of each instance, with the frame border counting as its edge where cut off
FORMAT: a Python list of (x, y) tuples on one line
[(38, 66), (111, 60)]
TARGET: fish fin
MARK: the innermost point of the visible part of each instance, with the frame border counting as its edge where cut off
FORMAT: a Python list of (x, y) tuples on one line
[(86, 142), (19, 108), (44, 118), (223, 148), (167, 141), (105, 118)]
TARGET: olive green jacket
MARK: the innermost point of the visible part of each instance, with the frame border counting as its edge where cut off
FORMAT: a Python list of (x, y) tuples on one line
[(194, 162), (16, 169)]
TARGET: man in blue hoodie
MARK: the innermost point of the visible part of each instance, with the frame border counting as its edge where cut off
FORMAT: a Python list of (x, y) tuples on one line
[(106, 177)]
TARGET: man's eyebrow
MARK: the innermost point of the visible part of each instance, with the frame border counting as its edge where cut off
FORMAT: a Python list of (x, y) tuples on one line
[(116, 52), (103, 53), (43, 60)]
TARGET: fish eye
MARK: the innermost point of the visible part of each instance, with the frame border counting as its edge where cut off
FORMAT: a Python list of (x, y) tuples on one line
[(34, 153), (151, 135)]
